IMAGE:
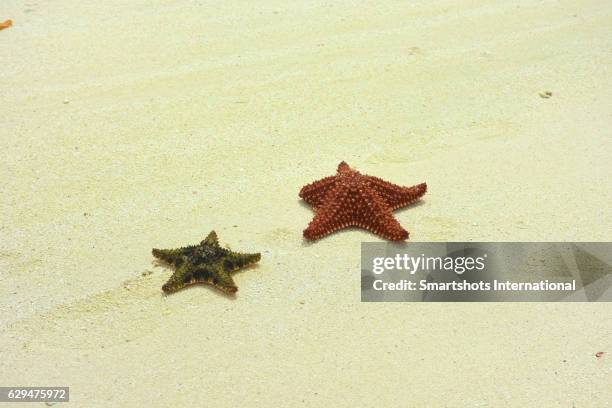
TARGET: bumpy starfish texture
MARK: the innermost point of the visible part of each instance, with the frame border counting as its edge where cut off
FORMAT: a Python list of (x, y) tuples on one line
[(206, 263), (352, 199)]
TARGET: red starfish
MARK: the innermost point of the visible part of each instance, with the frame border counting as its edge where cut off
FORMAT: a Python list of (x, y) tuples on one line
[(354, 199)]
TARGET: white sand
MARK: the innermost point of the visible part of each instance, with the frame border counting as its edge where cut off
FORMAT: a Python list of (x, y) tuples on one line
[(128, 125)]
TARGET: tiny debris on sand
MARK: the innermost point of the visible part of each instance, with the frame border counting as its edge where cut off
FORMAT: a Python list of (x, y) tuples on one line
[(6, 24), (599, 354), (545, 95)]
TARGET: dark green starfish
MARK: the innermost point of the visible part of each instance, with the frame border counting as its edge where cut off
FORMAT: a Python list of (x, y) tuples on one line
[(205, 263)]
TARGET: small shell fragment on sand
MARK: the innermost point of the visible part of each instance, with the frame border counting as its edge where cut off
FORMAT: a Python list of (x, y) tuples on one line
[(6, 24)]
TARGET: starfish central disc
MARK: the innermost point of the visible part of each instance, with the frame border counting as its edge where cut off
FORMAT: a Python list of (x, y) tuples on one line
[(352, 199)]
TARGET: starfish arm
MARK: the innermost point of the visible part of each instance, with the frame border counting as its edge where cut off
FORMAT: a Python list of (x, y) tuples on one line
[(328, 219), (343, 168), (315, 192), (375, 215), (396, 196), (178, 280), (235, 260), (221, 279), (211, 239), (171, 256)]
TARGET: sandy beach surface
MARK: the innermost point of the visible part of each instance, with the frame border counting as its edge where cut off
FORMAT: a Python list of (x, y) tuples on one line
[(132, 125)]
